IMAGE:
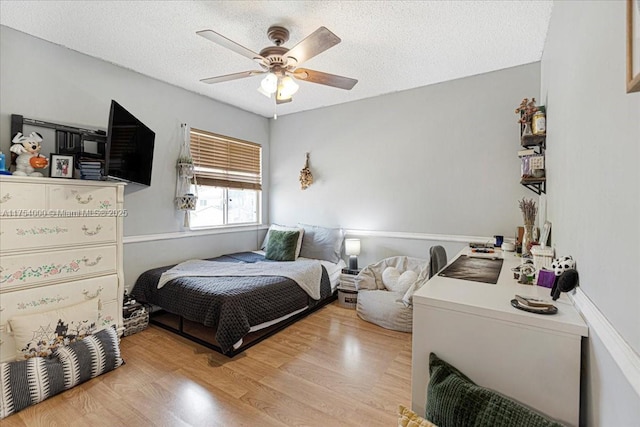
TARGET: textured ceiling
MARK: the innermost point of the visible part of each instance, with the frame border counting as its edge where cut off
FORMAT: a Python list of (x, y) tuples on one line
[(388, 46)]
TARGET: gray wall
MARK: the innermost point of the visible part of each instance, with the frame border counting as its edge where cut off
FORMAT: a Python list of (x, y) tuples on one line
[(44, 81), (435, 160), (594, 183)]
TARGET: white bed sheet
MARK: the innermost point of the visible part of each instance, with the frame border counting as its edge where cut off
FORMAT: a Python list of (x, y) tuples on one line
[(333, 269)]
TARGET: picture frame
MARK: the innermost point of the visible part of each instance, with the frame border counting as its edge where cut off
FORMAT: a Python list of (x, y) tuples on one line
[(544, 235), (60, 166), (633, 46)]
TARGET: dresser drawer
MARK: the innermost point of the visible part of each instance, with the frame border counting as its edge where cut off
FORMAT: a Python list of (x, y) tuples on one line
[(35, 269), (21, 234), (47, 298), (77, 197), (21, 196)]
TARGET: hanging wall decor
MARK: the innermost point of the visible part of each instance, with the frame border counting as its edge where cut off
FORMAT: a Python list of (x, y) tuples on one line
[(185, 198), (306, 179)]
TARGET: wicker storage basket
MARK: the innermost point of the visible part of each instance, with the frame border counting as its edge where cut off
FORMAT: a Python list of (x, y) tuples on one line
[(135, 319), (347, 298)]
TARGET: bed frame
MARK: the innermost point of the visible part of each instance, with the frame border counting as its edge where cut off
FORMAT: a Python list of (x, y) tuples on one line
[(205, 335)]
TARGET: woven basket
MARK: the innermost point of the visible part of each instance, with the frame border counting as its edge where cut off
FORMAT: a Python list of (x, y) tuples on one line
[(187, 202)]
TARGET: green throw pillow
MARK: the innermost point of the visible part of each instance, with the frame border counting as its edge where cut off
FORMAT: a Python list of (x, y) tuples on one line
[(453, 400), (282, 245)]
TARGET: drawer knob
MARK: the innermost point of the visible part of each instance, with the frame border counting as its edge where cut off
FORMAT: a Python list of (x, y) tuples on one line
[(5, 198), (91, 263), (82, 201), (89, 295), (88, 232)]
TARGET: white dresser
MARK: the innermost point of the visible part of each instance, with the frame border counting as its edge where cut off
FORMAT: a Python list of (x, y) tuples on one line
[(60, 244), (532, 358)]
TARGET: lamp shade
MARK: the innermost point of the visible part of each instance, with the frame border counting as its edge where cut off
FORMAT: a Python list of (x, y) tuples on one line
[(352, 246), (287, 87), (270, 83)]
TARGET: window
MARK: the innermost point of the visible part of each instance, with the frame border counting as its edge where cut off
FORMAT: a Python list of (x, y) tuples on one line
[(229, 177)]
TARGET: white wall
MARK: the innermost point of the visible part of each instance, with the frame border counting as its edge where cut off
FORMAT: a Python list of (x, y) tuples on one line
[(41, 80), (594, 188), (434, 160)]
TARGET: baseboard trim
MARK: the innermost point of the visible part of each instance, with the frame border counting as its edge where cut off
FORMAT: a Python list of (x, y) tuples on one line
[(625, 357)]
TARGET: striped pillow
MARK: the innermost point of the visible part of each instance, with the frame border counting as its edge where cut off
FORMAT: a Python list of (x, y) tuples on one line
[(30, 381)]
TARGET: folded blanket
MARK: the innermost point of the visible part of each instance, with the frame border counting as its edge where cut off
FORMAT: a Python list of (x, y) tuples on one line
[(306, 273)]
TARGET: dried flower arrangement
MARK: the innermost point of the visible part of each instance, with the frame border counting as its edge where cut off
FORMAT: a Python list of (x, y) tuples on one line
[(526, 110), (306, 179), (529, 210)]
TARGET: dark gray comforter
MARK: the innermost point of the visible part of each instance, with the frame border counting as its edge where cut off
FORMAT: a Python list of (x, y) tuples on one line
[(232, 305)]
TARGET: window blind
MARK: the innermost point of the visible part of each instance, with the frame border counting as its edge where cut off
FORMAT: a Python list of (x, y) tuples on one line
[(221, 161)]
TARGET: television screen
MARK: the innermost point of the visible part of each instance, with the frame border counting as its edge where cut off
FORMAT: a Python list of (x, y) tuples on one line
[(129, 147)]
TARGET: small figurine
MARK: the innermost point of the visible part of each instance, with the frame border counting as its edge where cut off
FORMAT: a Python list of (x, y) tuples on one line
[(28, 150)]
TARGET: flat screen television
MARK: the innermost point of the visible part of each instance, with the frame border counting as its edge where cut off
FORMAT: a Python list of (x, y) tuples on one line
[(129, 151)]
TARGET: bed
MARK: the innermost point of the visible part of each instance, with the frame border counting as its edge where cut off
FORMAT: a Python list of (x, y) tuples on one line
[(228, 311)]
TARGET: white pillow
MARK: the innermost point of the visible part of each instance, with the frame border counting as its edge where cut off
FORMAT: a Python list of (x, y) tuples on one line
[(390, 277), (396, 282), (284, 228), (40, 334)]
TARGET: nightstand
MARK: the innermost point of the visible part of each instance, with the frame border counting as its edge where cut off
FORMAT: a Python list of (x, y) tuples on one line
[(347, 292)]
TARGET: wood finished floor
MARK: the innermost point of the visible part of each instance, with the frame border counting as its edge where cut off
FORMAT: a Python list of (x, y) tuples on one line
[(329, 369)]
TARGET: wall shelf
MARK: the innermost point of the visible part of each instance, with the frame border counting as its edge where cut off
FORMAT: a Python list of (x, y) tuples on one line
[(535, 146), (537, 185)]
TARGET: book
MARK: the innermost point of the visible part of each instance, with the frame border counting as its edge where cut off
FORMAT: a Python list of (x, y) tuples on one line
[(525, 167), (527, 152)]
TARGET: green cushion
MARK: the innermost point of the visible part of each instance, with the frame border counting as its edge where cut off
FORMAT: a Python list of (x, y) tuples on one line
[(453, 400), (282, 245)]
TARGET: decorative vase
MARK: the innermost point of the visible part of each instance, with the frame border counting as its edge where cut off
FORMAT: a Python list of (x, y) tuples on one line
[(527, 129), (527, 239)]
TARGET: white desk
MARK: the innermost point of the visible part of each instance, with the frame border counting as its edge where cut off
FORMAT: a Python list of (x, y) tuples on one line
[(532, 358)]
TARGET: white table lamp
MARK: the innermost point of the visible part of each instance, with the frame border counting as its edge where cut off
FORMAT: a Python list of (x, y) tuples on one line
[(352, 248)]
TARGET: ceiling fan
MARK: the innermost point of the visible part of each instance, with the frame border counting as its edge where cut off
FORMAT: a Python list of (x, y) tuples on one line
[(280, 64)]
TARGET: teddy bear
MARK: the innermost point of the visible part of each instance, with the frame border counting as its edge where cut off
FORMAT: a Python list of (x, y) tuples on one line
[(27, 147)]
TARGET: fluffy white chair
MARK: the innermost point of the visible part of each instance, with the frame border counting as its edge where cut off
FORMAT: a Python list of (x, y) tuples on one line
[(385, 289)]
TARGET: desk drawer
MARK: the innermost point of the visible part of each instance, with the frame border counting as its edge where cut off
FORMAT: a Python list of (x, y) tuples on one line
[(77, 197), (21, 234), (34, 269)]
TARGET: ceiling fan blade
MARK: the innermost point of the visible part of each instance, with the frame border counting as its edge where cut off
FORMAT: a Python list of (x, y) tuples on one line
[(234, 76), (324, 78), (230, 44), (314, 44)]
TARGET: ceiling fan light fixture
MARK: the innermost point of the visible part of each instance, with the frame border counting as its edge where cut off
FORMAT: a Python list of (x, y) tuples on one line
[(264, 92), (287, 87), (269, 84)]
